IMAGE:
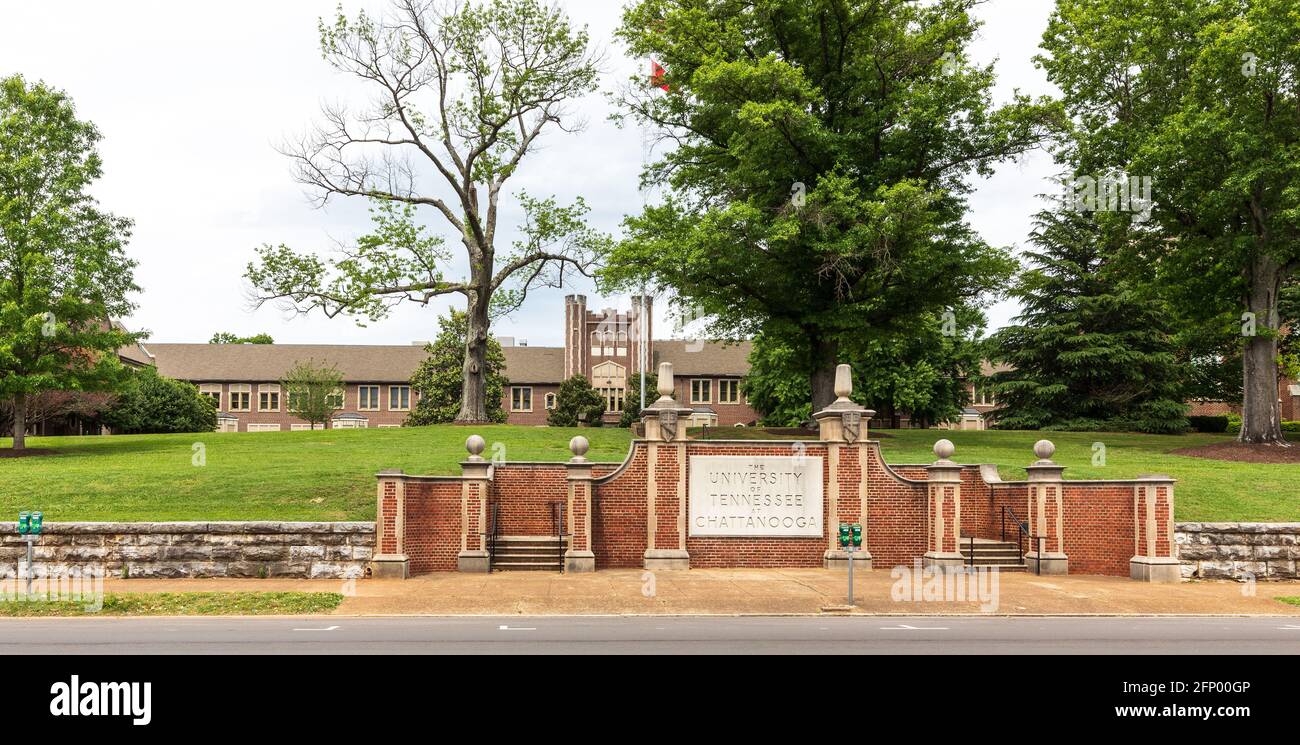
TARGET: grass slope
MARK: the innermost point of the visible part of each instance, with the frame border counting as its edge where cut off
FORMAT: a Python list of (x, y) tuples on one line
[(183, 604), (330, 475)]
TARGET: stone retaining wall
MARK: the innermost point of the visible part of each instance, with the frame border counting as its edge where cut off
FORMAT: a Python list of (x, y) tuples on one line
[(202, 549), (1241, 551)]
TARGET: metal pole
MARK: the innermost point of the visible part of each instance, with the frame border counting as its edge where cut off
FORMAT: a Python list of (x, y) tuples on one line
[(29, 566), (849, 551)]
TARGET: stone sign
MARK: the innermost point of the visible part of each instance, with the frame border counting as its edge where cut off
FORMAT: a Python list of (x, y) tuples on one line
[(742, 495)]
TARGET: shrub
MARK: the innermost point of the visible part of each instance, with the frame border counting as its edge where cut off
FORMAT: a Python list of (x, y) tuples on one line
[(1217, 423), (577, 402), (153, 404)]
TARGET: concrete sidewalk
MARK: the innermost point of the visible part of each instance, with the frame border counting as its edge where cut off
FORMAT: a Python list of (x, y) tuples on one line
[(749, 591)]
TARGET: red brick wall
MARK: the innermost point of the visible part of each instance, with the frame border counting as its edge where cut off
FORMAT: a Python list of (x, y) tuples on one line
[(618, 514), (1098, 527), (433, 519), (523, 494), (351, 397), (896, 509), (536, 417)]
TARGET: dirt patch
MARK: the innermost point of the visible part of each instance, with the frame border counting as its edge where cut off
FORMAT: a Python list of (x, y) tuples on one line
[(26, 452), (1245, 453)]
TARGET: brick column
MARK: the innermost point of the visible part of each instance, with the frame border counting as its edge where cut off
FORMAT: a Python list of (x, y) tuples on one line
[(579, 556), (943, 510), (665, 430), (390, 560), (1045, 513), (843, 427), (1154, 556), (476, 480)]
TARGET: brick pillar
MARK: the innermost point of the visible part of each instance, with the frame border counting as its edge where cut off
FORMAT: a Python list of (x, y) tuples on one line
[(1046, 515), (943, 510), (476, 480), (390, 560), (1154, 556), (665, 430), (579, 556), (843, 427)]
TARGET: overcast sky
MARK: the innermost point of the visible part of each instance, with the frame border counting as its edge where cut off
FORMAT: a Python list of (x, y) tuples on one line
[(192, 99)]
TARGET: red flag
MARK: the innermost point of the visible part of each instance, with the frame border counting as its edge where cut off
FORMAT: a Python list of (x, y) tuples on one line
[(657, 73)]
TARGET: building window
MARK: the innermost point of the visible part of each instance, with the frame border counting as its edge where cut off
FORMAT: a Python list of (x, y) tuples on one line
[(263, 427), (268, 398), (613, 399), (399, 398), (982, 394), (213, 392), (728, 391), (701, 391), (368, 398), (351, 423), (335, 399), (550, 401), (521, 398), (595, 344), (241, 397)]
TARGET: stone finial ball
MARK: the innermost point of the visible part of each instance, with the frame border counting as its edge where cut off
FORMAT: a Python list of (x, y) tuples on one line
[(475, 445), (1044, 449), (579, 446), (944, 449)]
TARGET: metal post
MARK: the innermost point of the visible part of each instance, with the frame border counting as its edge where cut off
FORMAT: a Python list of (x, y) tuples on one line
[(30, 540), (850, 549)]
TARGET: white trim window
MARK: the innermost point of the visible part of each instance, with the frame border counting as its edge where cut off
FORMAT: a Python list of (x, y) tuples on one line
[(367, 398), (701, 391), (521, 398), (399, 398), (241, 397), (263, 427), (613, 398), (268, 398), (550, 401), (350, 424), (728, 391), (303, 427), (335, 399), (212, 391)]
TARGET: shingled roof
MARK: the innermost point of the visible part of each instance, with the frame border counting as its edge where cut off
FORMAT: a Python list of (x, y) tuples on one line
[(359, 363), (704, 358)]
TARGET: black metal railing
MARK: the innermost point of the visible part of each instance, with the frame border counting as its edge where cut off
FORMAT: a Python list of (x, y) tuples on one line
[(557, 518), (494, 525), (1022, 529), (970, 549)]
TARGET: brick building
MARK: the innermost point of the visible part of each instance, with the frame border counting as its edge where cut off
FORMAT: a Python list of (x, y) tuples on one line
[(605, 347)]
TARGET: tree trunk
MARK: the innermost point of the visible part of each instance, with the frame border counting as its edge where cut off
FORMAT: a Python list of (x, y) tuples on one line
[(1261, 414), (20, 421), (824, 358), (473, 403)]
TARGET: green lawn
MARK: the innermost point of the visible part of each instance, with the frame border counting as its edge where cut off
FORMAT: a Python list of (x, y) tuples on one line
[(330, 475), (327, 475), (184, 604)]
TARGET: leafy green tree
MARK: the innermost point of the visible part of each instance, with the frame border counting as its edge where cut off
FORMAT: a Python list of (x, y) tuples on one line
[(153, 404), (1091, 349), (632, 403), (439, 381), (311, 391), (577, 403), (63, 267), (1201, 97), (920, 372), (817, 187), (224, 337), (463, 92)]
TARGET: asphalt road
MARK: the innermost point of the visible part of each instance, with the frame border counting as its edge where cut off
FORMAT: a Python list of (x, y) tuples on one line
[(649, 635)]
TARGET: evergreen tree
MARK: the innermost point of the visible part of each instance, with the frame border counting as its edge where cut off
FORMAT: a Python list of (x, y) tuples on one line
[(154, 404), (632, 404), (577, 403), (439, 378), (1091, 350)]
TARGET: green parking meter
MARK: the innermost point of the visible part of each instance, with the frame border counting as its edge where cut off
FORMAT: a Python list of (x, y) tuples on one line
[(857, 534), (844, 535), (35, 524), (24, 522)]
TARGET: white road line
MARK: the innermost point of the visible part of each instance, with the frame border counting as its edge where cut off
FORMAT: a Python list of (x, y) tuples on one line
[(517, 628), (903, 626), (1292, 627), (331, 628)]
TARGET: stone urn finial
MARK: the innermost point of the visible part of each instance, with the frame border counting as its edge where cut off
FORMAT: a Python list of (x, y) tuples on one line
[(579, 447), (843, 382), (665, 383), (943, 450), (475, 445)]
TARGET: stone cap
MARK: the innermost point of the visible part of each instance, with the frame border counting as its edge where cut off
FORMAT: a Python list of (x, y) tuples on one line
[(842, 402)]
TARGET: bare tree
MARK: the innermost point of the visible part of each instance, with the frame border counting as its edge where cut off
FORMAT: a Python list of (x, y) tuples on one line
[(464, 91)]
